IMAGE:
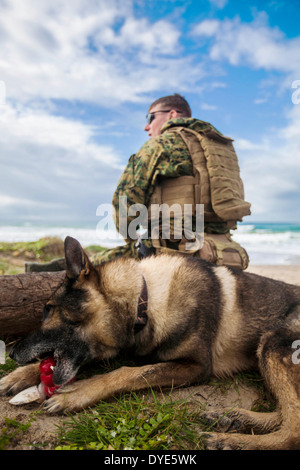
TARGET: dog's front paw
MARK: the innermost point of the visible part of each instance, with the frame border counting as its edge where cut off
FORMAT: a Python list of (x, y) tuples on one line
[(6, 385), (69, 397), (20, 379), (57, 404)]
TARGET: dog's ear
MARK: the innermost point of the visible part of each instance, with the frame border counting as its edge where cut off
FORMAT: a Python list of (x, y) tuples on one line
[(77, 261)]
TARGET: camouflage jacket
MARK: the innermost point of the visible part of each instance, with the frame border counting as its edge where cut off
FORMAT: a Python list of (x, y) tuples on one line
[(164, 156)]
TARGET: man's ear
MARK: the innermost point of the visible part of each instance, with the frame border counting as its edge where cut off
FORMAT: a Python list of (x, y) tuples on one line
[(77, 261), (173, 114)]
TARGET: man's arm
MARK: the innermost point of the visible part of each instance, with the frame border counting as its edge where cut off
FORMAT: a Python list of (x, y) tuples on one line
[(165, 156)]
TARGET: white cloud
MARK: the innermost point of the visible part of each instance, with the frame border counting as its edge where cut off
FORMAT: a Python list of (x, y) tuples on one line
[(160, 37), (207, 28), (52, 168), (36, 127), (219, 3), (260, 100), (79, 50), (270, 168), (208, 107), (100, 52), (95, 52), (255, 44), (32, 204)]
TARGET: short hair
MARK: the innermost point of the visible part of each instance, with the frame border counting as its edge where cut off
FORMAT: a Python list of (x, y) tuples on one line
[(176, 102)]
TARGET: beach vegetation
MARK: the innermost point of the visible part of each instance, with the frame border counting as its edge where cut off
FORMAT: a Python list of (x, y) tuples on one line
[(13, 255)]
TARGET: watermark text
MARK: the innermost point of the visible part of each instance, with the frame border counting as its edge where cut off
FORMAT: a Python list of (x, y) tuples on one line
[(296, 354), (158, 221), (2, 352), (296, 93)]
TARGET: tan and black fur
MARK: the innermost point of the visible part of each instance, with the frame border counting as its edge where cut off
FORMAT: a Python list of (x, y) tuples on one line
[(202, 321)]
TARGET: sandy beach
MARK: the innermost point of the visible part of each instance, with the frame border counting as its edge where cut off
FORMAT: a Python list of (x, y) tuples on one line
[(286, 273)]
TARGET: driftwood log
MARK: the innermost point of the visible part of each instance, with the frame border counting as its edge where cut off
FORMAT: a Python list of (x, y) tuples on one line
[(22, 299)]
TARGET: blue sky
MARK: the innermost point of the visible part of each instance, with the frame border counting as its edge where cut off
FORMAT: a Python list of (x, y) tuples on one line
[(77, 79)]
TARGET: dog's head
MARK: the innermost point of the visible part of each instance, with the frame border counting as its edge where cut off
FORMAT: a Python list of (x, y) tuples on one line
[(75, 326)]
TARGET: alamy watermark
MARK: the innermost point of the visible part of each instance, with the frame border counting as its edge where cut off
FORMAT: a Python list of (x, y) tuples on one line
[(2, 93), (2, 352), (296, 354), (154, 222), (296, 93)]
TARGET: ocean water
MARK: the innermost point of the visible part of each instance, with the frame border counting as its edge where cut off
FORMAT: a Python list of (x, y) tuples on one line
[(266, 243), (86, 235), (270, 244)]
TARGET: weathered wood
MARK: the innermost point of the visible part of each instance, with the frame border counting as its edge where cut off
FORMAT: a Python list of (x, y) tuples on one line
[(22, 299)]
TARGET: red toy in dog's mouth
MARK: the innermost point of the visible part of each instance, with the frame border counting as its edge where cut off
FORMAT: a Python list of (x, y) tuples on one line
[(44, 390), (46, 372)]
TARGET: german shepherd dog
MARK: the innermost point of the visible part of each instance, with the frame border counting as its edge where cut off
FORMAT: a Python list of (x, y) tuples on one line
[(188, 319)]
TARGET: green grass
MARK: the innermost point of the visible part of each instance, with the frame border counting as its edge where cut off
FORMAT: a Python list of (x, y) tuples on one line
[(37, 249), (92, 249), (133, 422), (141, 421), (11, 430), (8, 367), (147, 422), (43, 250), (40, 248)]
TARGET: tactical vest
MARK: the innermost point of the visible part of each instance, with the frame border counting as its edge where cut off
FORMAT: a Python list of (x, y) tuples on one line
[(217, 185)]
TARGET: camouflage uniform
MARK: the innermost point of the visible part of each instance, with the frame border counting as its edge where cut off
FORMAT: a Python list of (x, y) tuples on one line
[(164, 156)]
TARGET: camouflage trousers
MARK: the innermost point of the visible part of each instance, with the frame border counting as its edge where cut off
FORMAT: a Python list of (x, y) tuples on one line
[(129, 251)]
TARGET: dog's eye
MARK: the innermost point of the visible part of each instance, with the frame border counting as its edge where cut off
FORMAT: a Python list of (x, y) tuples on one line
[(46, 311)]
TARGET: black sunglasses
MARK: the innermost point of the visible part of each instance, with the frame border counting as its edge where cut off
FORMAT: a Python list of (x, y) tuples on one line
[(150, 116)]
